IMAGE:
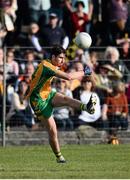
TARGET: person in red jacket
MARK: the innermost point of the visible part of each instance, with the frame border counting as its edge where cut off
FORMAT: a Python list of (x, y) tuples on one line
[(115, 110), (79, 18)]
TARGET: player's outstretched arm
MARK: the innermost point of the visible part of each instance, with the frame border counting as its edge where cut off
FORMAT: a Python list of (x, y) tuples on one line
[(74, 75), (69, 76)]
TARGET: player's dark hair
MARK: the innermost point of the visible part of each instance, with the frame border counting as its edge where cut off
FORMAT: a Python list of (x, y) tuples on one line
[(56, 50)]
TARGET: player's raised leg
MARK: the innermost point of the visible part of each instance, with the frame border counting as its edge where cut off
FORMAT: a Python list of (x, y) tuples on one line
[(50, 125), (62, 100)]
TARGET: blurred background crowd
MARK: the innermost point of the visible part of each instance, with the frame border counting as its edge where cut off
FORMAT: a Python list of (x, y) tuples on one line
[(28, 28)]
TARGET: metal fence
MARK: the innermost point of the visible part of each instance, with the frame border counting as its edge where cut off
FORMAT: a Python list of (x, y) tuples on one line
[(99, 50)]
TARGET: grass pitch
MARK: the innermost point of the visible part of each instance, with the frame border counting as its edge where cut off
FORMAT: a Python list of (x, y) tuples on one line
[(83, 162)]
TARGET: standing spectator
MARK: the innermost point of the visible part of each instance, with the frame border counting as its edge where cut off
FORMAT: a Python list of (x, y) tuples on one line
[(118, 15), (57, 7), (52, 34), (7, 18), (39, 11), (22, 14), (79, 19)]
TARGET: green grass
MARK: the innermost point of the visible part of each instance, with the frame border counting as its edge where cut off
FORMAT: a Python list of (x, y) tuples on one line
[(84, 161)]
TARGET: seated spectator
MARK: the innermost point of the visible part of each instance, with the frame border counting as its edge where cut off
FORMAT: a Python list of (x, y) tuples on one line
[(30, 58), (62, 114), (104, 78), (88, 88), (12, 68), (112, 57), (73, 83), (124, 49), (20, 112), (26, 76), (115, 111), (81, 56), (92, 60)]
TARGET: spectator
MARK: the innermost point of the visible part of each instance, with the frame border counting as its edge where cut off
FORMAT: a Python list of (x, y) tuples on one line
[(92, 60), (112, 56), (22, 19), (88, 88), (81, 56), (67, 25), (72, 84), (88, 7), (1, 101), (12, 68), (62, 114), (7, 18), (20, 112), (118, 15), (115, 110), (52, 34), (30, 38), (1, 59), (79, 19), (3, 33), (30, 58), (124, 49), (39, 11), (1, 83), (57, 7), (26, 76)]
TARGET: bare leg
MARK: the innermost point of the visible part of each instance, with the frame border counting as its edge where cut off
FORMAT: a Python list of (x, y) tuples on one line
[(62, 100), (52, 131), (53, 137)]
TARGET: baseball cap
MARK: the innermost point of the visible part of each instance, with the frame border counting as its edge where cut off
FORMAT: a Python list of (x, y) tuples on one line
[(53, 15)]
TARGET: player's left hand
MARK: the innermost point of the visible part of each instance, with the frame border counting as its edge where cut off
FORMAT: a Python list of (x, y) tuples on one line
[(87, 71)]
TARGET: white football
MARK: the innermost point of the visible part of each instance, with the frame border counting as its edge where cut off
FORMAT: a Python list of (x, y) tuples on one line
[(83, 40)]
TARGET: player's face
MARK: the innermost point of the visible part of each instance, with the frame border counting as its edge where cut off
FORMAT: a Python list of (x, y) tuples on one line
[(58, 60)]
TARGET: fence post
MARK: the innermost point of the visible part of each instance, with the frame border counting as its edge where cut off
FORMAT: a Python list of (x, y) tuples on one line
[(4, 98)]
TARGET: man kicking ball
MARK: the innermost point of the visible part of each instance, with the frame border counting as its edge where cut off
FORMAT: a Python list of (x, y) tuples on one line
[(43, 99)]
